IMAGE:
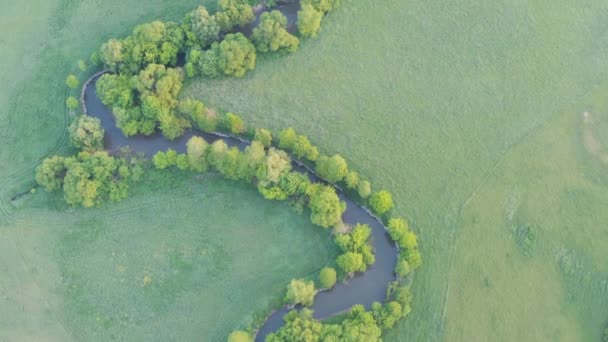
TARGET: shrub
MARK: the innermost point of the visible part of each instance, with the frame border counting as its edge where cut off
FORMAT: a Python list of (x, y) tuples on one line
[(309, 21), (325, 206), (364, 189), (381, 202), (72, 81), (86, 133), (233, 123), (196, 150), (402, 268), (300, 291), (327, 278), (72, 103), (397, 227), (263, 136), (50, 173), (334, 168), (271, 36), (352, 180), (239, 336)]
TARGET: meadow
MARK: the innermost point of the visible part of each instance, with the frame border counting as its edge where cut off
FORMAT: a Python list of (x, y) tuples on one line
[(470, 113)]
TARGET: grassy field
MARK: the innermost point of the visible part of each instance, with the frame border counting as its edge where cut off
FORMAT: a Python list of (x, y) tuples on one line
[(471, 113)]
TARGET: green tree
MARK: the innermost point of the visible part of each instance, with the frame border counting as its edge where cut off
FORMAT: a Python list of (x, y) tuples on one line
[(271, 35), (309, 21), (72, 81), (288, 139), (204, 26), (270, 172), (397, 227), (233, 123), (72, 103), (350, 262), (352, 180), (196, 149), (263, 136), (322, 5), (239, 336), (334, 168), (234, 13), (111, 54), (387, 315), (236, 55), (381, 202), (327, 278), (86, 133), (402, 268), (203, 119), (50, 173), (326, 208), (300, 291), (360, 326), (82, 66), (364, 189), (299, 326)]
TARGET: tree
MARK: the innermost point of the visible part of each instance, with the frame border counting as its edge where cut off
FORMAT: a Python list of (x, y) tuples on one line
[(271, 36), (325, 206), (270, 172), (360, 326), (397, 227), (263, 136), (327, 278), (233, 123), (287, 139), (250, 161), (414, 258), (163, 160), (300, 291), (50, 173), (381, 202), (352, 180), (82, 66), (234, 13), (350, 262), (334, 168), (236, 55), (204, 26), (299, 326), (203, 119), (388, 314), (309, 21), (364, 189), (72, 81), (111, 54), (239, 336), (72, 103), (86, 133), (323, 6), (196, 149), (402, 268)]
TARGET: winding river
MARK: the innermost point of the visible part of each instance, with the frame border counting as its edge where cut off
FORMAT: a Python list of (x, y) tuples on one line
[(364, 288)]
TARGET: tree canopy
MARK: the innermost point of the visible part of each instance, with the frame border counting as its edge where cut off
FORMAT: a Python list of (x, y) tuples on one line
[(300, 291), (86, 133), (271, 34)]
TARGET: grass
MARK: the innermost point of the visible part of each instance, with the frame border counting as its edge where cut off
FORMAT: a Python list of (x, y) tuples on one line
[(468, 112)]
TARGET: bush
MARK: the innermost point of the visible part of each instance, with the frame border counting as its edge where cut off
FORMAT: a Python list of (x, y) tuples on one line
[(327, 278), (364, 189), (239, 336), (309, 21), (233, 123), (397, 227), (271, 36), (402, 268), (263, 136), (325, 206), (196, 150), (300, 291), (72, 81), (72, 103), (381, 202), (352, 180), (50, 173), (86, 133), (334, 168)]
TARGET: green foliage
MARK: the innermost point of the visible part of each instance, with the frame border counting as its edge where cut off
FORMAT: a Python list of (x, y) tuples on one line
[(397, 227), (239, 336), (300, 291), (309, 21), (251, 160), (327, 278), (364, 189), (72, 81), (50, 173), (163, 160), (263, 136), (352, 180), (224, 159), (89, 178), (357, 251), (72, 103), (322, 5), (82, 66), (299, 326), (287, 138), (271, 35), (381, 202), (196, 150), (387, 315), (298, 144), (402, 268), (360, 326), (233, 56), (270, 172), (400, 294), (334, 168), (294, 183), (234, 13), (325, 206), (86, 133), (233, 123), (203, 26), (202, 118)]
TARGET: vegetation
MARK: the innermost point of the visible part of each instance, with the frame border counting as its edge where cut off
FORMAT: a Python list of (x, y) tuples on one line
[(309, 21), (333, 168), (272, 36), (381, 202), (357, 252), (300, 291), (327, 278), (86, 133), (326, 208), (240, 336), (72, 81)]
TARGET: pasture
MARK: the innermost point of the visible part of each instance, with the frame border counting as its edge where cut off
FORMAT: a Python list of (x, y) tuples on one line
[(471, 113)]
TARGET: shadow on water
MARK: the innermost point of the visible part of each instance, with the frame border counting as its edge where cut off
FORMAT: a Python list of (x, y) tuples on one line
[(364, 288)]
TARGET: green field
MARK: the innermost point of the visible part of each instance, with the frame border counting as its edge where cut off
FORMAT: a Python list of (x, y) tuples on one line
[(470, 113)]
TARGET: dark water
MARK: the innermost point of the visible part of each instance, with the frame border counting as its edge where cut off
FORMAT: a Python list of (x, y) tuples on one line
[(365, 288)]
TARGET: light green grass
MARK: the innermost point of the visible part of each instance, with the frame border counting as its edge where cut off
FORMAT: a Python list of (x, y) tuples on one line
[(467, 111)]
